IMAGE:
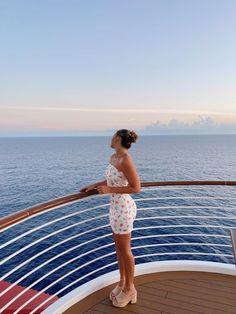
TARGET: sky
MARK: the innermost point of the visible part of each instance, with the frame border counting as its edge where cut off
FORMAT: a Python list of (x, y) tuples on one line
[(91, 67)]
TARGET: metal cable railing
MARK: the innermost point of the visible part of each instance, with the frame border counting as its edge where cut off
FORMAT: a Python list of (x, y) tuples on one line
[(52, 248)]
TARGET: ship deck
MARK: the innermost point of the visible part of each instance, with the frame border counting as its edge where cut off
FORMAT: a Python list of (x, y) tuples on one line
[(180, 292)]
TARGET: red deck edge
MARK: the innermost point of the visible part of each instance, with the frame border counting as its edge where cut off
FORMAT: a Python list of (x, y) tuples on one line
[(22, 299)]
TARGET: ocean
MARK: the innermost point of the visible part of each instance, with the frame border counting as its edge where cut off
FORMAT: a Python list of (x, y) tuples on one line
[(34, 170), (38, 169)]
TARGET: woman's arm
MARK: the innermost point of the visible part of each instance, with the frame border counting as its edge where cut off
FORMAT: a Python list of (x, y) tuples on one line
[(126, 190), (93, 186), (101, 183)]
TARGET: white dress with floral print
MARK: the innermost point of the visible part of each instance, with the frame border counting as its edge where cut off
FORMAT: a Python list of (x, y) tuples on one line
[(123, 208)]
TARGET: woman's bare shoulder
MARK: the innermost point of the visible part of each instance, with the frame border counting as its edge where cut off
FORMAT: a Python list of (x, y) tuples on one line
[(127, 160)]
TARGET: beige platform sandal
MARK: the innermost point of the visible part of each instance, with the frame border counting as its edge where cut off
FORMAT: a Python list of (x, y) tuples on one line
[(122, 299), (115, 292)]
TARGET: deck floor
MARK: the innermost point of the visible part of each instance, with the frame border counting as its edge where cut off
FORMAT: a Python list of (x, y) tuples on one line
[(170, 292)]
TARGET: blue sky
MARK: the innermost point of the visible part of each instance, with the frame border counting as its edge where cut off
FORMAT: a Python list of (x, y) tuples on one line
[(85, 67)]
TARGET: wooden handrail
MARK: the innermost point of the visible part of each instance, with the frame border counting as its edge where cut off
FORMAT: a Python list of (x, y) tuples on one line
[(22, 214)]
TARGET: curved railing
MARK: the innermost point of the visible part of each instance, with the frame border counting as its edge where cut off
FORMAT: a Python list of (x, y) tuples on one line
[(53, 254)]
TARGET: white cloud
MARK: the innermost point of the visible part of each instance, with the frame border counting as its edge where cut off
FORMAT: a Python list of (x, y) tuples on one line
[(202, 124), (131, 110)]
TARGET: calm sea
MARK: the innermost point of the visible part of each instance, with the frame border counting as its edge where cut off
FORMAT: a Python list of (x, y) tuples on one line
[(35, 170)]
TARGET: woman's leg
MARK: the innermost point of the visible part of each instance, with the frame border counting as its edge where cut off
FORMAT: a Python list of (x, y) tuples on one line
[(123, 244), (120, 262)]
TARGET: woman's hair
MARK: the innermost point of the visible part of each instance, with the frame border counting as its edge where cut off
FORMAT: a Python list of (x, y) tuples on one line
[(127, 137)]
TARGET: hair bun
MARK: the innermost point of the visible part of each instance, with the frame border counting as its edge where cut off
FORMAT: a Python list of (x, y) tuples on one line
[(127, 137), (133, 136)]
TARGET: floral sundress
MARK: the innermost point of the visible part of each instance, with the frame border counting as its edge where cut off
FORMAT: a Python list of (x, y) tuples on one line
[(123, 210)]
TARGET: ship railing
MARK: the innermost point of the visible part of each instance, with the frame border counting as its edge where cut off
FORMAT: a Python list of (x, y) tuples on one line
[(58, 252)]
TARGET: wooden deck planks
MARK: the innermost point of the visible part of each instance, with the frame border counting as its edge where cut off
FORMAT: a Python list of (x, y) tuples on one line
[(220, 294), (180, 306), (220, 283), (198, 294), (211, 286), (142, 307), (179, 293)]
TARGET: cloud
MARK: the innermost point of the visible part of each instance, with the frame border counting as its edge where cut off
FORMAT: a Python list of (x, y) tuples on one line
[(131, 110), (202, 124), (15, 119)]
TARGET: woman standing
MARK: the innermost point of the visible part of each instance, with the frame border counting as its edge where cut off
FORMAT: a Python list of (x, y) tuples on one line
[(121, 180)]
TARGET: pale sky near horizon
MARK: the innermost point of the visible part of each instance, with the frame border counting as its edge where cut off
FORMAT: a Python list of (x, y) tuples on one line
[(98, 65)]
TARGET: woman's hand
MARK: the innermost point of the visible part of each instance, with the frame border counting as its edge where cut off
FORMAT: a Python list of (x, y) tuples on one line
[(103, 189), (88, 188)]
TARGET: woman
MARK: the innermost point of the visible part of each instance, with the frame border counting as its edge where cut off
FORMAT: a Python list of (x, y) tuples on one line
[(121, 179)]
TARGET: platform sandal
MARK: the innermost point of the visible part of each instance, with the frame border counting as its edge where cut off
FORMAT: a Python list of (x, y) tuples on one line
[(122, 299), (115, 291)]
